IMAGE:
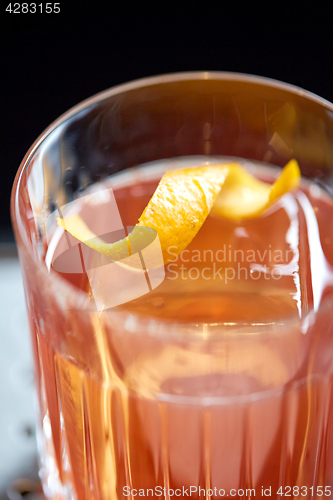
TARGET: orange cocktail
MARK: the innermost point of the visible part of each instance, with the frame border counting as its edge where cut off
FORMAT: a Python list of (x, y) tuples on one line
[(209, 375)]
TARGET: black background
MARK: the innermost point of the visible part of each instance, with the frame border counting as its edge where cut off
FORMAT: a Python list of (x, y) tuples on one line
[(50, 62)]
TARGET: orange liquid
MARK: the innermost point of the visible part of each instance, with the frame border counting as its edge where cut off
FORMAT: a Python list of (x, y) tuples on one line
[(124, 411)]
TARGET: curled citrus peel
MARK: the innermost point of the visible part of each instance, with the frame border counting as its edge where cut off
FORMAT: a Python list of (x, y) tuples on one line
[(182, 202), (245, 197), (138, 239)]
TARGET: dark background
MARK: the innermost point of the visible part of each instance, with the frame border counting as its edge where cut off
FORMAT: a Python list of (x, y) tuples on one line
[(50, 62)]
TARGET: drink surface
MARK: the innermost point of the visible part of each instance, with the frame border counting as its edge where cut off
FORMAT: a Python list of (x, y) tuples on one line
[(245, 410), (267, 263)]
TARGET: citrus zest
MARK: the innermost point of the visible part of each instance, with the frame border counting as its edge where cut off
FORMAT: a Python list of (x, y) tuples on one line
[(245, 197), (183, 200)]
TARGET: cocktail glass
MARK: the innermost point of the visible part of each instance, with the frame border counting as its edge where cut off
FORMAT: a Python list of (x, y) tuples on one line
[(131, 402)]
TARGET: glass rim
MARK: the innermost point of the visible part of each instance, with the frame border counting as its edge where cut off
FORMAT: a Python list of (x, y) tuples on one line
[(157, 327)]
